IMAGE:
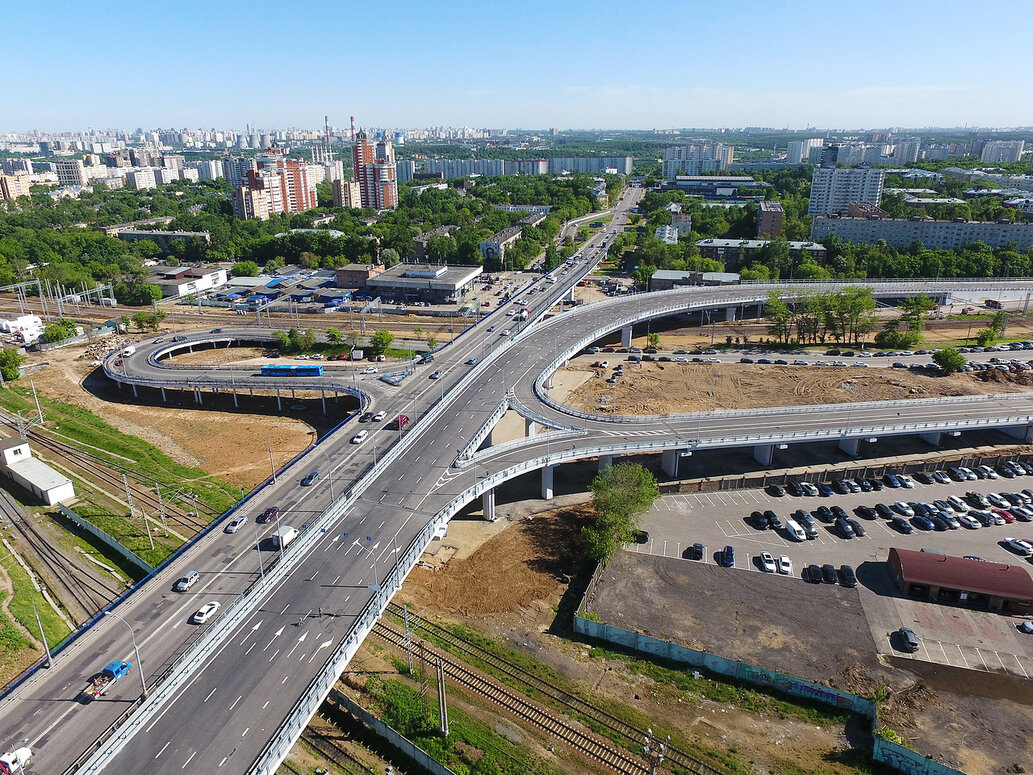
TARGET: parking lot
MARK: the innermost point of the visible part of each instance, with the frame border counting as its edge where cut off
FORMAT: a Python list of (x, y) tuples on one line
[(947, 634)]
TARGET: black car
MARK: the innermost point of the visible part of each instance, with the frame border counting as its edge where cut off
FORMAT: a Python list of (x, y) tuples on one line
[(759, 520), (828, 574), (794, 489), (866, 511), (956, 474), (876, 484), (839, 512), (884, 511), (824, 513), (812, 573), (366, 417), (773, 521), (921, 509), (865, 485), (859, 530), (777, 490), (746, 360), (840, 486), (902, 525), (938, 523), (847, 576), (923, 478), (694, 552), (310, 479), (845, 528), (641, 536)]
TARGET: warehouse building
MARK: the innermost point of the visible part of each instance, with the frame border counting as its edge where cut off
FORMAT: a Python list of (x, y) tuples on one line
[(423, 282), (939, 578), (34, 475)]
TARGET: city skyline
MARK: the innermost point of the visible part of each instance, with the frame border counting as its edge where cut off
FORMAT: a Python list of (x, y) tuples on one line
[(590, 66)]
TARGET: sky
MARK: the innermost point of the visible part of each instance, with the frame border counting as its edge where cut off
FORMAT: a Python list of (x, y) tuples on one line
[(569, 64)]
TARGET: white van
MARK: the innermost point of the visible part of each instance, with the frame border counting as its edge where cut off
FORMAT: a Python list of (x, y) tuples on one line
[(794, 531), (283, 536), (128, 351)]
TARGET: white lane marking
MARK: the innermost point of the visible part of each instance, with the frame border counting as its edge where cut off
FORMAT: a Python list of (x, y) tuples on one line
[(276, 635), (245, 731), (211, 693), (274, 655), (300, 641), (236, 701), (163, 749), (188, 760), (284, 680)]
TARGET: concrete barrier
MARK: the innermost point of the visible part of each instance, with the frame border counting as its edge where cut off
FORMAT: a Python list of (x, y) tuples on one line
[(131, 557)]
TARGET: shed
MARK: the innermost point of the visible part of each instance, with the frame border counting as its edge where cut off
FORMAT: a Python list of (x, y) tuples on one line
[(34, 475), (941, 578)]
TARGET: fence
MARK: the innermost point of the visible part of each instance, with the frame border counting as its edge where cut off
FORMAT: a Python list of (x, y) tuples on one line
[(396, 739), (892, 754), (130, 556)]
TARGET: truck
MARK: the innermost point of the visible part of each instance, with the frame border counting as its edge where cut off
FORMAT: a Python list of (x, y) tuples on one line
[(283, 536), (105, 679), (128, 351), (522, 315), (357, 355), (13, 762)]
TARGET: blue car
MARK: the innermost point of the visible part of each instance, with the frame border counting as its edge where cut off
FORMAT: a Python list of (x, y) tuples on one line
[(310, 479), (824, 490), (892, 481), (471, 361), (728, 557), (922, 523)]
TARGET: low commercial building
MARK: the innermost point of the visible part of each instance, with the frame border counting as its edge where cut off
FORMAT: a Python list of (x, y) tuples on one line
[(666, 234), (356, 275), (666, 279), (716, 187), (177, 281), (423, 282), (163, 239), (898, 232), (735, 252), (941, 578), (17, 462)]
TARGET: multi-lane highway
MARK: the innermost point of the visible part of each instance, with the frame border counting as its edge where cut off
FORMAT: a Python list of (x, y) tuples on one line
[(221, 716)]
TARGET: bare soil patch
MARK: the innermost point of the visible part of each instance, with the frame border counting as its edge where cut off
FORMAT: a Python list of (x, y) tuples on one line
[(661, 388)]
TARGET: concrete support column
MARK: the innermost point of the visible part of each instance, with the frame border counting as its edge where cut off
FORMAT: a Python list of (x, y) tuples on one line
[(163, 400), (134, 389), (850, 446), (547, 481), (670, 462), (572, 292), (279, 405), (605, 461), (197, 396), (293, 395), (626, 336), (729, 313), (763, 453), (1023, 432), (529, 428), (235, 404), (933, 437), (322, 397), (488, 504), (547, 384)]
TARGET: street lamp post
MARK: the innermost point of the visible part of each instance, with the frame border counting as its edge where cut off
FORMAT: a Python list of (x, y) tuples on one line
[(139, 664)]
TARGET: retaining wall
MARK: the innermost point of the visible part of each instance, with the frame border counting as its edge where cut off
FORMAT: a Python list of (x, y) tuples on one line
[(131, 557)]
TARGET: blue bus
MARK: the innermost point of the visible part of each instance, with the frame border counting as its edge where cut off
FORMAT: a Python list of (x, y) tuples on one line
[(278, 370)]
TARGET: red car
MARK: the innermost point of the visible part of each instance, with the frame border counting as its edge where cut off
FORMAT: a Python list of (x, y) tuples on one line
[(1005, 515), (267, 515)]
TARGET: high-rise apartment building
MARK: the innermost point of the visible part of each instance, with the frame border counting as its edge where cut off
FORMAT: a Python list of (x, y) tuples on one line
[(236, 168), (906, 152), (14, 186), (1002, 151), (799, 150), (70, 172), (276, 185), (770, 219), (142, 179), (833, 189), (375, 172), (209, 170), (347, 193), (697, 158), (15, 166)]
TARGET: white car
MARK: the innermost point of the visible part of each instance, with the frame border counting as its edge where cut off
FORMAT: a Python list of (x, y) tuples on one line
[(906, 481), (904, 508), (369, 370), (317, 357), (301, 357), (958, 504), (236, 524), (510, 313), (970, 522), (359, 437), (205, 613), (767, 563), (1020, 547), (987, 472), (505, 332), (785, 565), (379, 416)]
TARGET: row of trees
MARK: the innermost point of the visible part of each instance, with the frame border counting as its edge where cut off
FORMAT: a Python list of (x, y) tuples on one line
[(814, 318)]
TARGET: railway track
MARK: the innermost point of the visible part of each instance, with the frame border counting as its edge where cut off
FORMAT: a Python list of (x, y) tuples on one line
[(109, 476), (333, 752), (82, 593), (594, 747), (521, 677)]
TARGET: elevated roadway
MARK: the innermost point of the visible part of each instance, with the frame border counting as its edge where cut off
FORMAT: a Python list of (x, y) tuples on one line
[(222, 706)]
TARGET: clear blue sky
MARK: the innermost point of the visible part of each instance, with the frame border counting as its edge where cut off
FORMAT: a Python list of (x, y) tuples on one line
[(483, 63)]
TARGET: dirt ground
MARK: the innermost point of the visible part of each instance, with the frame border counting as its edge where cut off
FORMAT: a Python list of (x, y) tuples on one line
[(661, 388), (509, 582), (238, 451)]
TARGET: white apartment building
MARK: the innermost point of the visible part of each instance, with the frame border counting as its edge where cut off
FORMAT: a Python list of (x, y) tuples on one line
[(949, 235), (832, 189), (1002, 151), (799, 150), (697, 158), (165, 175), (142, 180), (70, 172)]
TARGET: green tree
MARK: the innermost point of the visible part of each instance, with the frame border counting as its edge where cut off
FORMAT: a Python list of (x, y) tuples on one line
[(141, 320), (245, 269), (58, 331), (125, 321), (654, 339), (780, 317), (10, 363), (352, 338), (986, 337), (380, 341), (334, 337), (432, 342), (913, 311), (620, 495), (389, 257), (949, 360), (418, 333)]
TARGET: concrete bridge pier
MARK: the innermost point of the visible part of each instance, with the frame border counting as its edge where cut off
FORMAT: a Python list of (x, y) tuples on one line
[(133, 385), (626, 336), (729, 313), (488, 504), (1023, 432), (547, 482), (763, 453), (605, 461), (279, 405), (198, 397), (572, 293), (235, 404), (850, 446), (530, 429), (322, 397), (163, 399), (933, 437), (670, 462)]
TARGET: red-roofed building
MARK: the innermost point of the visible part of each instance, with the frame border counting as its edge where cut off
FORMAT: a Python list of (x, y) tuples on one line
[(957, 580)]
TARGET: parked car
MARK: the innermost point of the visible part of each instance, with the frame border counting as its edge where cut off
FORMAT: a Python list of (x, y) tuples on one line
[(812, 573), (858, 528), (904, 508), (902, 525), (847, 576), (1019, 546), (866, 511), (767, 563), (828, 574), (759, 520), (728, 556), (773, 521), (884, 511), (785, 565), (922, 523), (694, 552), (908, 639), (845, 528)]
